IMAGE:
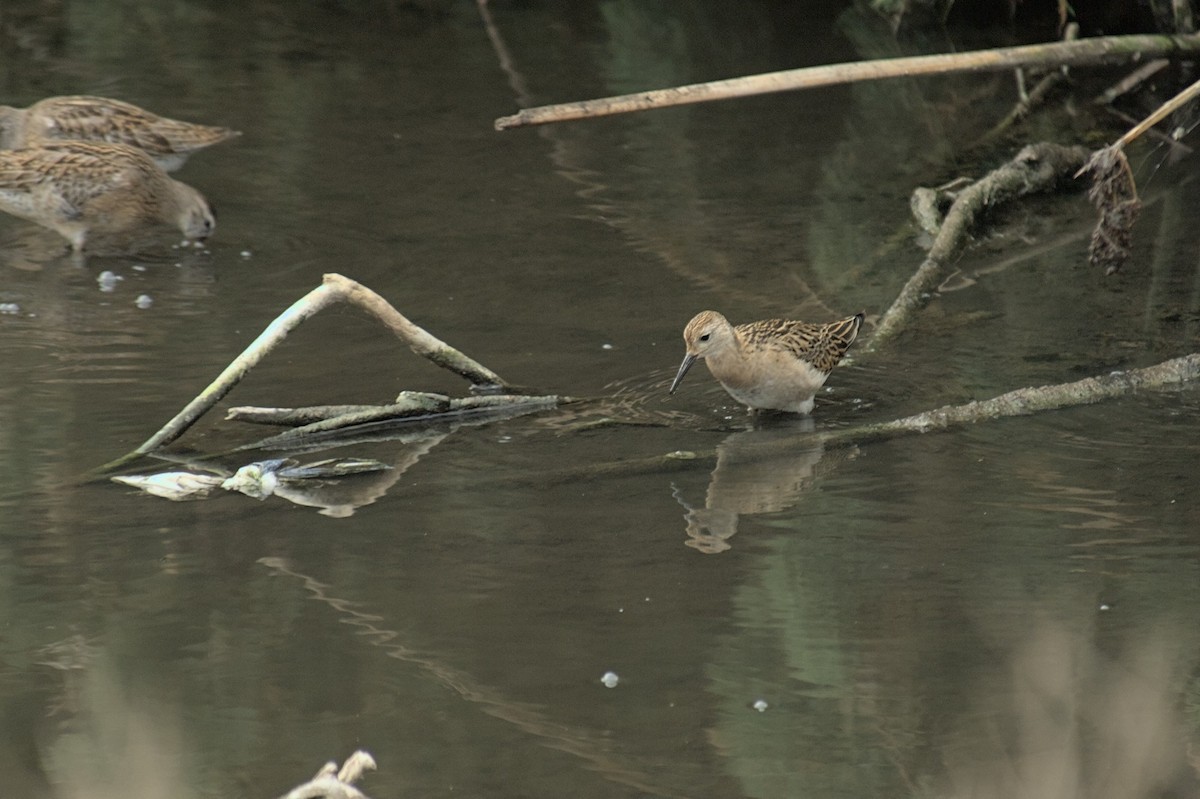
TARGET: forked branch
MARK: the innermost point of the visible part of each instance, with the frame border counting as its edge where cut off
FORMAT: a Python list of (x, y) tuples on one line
[(334, 288)]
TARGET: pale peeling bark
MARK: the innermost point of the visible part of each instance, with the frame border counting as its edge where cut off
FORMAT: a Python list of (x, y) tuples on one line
[(334, 288), (1097, 51)]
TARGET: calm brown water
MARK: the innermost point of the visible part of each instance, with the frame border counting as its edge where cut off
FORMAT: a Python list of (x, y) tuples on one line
[(1004, 611)]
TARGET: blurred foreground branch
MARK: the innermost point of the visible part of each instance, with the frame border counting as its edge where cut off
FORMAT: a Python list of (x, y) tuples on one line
[(332, 783)]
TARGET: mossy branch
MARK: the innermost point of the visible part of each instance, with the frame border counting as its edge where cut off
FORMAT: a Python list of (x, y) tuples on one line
[(1036, 168)]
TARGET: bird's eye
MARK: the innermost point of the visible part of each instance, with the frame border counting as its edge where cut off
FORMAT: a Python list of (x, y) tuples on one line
[(705, 336)]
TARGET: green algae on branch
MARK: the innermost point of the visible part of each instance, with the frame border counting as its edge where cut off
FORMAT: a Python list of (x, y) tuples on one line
[(1099, 50)]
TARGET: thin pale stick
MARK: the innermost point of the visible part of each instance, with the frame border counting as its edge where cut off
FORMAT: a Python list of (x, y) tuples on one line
[(1132, 80), (1163, 111), (1097, 50)]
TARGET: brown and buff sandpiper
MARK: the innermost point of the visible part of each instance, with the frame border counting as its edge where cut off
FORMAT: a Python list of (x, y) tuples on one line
[(84, 118), (774, 364), (80, 188)]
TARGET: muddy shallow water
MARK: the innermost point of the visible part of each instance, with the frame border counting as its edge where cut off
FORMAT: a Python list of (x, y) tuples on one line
[(1004, 610)]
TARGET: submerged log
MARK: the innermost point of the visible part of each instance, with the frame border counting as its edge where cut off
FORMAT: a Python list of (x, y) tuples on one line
[(408, 403), (1025, 401), (1164, 376), (450, 411)]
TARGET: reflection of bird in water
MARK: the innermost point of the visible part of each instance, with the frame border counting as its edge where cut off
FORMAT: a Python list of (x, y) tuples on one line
[(774, 364), (635, 401), (168, 141), (341, 498), (755, 473), (84, 189)]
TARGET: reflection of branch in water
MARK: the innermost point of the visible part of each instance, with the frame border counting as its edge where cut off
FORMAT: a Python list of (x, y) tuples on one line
[(684, 241), (748, 481), (338, 486), (564, 738), (515, 79), (1164, 376), (1085, 508), (340, 498)]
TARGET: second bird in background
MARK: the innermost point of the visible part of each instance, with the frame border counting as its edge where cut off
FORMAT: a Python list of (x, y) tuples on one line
[(775, 364), (82, 117)]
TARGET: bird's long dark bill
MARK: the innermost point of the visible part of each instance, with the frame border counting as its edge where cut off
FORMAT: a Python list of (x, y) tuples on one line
[(688, 360)]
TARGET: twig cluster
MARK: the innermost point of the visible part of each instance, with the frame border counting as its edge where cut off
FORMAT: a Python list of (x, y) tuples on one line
[(1114, 195)]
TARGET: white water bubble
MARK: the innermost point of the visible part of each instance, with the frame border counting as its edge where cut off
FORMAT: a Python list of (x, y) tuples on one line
[(760, 705), (610, 679), (144, 301), (108, 280)]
